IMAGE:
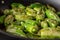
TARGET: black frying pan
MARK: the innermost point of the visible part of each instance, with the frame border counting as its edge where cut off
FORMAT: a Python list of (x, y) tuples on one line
[(6, 4)]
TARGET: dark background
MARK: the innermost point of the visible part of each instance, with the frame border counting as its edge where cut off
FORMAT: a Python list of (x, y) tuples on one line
[(3, 35)]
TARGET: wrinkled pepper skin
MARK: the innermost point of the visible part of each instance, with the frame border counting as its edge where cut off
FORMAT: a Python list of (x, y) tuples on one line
[(22, 17), (8, 20), (30, 11), (51, 15), (40, 17), (50, 33), (16, 30), (36, 7), (39, 8), (30, 26), (44, 24), (17, 8), (52, 23), (6, 11)]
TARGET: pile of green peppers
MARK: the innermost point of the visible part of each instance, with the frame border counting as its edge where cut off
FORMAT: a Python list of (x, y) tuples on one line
[(33, 21)]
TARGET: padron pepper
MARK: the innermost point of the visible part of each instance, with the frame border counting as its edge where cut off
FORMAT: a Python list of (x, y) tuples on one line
[(37, 7), (16, 30), (52, 23), (8, 20), (30, 26), (40, 17), (30, 11), (51, 15), (44, 24), (49, 33)]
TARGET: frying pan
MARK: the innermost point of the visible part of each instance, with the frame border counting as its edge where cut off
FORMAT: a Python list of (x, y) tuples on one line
[(6, 4)]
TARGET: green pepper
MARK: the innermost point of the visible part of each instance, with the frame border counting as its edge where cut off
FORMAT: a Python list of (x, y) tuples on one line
[(2, 18), (18, 24), (32, 22), (49, 33), (17, 5), (17, 11), (44, 24), (16, 30), (36, 7), (43, 9), (39, 8), (8, 20), (6, 11), (9, 11), (22, 17), (51, 15), (40, 17), (30, 26), (38, 22), (30, 11), (52, 23), (17, 8)]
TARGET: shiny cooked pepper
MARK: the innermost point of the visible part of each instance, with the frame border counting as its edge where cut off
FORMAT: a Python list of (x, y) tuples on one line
[(17, 8), (30, 26), (49, 33), (30, 11), (36, 7), (51, 15), (16, 30), (52, 23), (44, 24), (40, 17), (8, 20), (22, 17)]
